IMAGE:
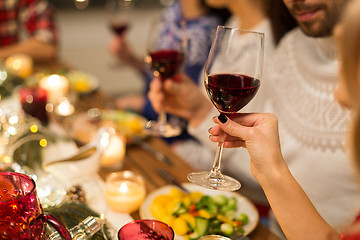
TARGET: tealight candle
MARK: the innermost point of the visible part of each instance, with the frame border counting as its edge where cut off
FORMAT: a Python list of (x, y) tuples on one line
[(124, 191), (20, 64), (65, 108), (113, 156), (57, 87)]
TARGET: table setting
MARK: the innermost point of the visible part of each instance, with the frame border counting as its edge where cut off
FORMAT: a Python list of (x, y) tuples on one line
[(95, 170)]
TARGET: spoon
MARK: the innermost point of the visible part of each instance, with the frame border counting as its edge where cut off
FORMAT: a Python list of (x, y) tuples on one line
[(100, 142)]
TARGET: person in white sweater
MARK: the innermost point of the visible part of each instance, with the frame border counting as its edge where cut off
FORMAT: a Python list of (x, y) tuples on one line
[(298, 85), (288, 189)]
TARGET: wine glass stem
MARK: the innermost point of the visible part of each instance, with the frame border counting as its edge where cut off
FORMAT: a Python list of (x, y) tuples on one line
[(162, 118), (217, 161), (215, 173)]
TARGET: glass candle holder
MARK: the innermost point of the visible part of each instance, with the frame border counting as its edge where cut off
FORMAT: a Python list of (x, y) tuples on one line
[(112, 158), (20, 65), (124, 191), (57, 87), (33, 101), (146, 229)]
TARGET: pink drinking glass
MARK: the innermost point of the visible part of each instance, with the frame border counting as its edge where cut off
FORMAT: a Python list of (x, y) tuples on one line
[(146, 229), (21, 215)]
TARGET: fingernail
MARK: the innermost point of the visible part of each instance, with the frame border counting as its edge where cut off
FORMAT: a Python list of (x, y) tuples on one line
[(222, 118), (209, 129), (214, 117)]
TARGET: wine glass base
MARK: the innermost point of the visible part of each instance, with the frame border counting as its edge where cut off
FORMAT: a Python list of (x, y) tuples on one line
[(203, 179), (160, 129)]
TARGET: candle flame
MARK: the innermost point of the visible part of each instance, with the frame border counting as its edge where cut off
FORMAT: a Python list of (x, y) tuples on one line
[(13, 120), (124, 188), (54, 80), (65, 108)]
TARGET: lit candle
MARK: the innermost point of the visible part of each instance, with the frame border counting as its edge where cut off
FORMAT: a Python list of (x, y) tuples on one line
[(65, 108), (113, 156), (124, 191), (57, 87), (20, 64)]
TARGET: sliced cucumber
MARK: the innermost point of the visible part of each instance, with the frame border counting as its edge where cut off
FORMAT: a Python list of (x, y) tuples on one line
[(201, 226), (226, 229)]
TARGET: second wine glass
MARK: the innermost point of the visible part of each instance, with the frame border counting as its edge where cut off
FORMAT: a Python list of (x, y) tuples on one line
[(166, 50), (232, 78), (119, 15)]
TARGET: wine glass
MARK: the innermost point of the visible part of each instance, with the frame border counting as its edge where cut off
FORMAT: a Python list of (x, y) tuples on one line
[(166, 49), (232, 77), (119, 15), (119, 12)]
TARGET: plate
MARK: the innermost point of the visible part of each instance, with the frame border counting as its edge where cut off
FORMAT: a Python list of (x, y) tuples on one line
[(244, 205), (82, 82), (83, 128)]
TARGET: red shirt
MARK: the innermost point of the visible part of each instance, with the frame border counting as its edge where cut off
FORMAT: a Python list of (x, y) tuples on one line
[(354, 236), (36, 17)]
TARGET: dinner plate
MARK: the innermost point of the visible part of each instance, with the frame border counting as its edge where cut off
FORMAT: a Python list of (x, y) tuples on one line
[(83, 128), (82, 82), (244, 205)]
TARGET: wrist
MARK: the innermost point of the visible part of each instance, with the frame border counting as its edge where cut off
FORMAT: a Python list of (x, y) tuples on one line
[(277, 171)]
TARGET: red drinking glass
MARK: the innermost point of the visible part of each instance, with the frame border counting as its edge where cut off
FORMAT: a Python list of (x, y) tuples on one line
[(145, 229), (21, 215), (33, 102)]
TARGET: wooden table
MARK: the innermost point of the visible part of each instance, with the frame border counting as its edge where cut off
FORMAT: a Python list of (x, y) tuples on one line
[(145, 163)]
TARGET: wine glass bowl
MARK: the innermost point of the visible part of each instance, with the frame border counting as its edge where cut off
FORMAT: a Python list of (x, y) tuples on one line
[(231, 92), (232, 78), (119, 15), (166, 49), (165, 63)]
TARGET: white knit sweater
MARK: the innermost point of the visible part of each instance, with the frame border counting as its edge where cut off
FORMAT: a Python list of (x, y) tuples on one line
[(298, 87)]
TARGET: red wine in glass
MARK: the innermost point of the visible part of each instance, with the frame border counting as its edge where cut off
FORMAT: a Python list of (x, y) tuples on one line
[(166, 62), (231, 92), (119, 28)]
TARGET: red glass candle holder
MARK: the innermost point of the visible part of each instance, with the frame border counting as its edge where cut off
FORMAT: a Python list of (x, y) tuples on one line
[(33, 101), (145, 229), (21, 215)]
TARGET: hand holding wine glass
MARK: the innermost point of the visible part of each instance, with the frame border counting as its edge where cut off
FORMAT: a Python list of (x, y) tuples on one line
[(232, 78), (119, 23), (165, 57)]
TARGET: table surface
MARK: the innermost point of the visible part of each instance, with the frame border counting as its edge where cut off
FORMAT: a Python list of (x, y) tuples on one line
[(145, 163)]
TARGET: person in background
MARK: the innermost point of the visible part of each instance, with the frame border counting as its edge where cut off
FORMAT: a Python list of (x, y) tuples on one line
[(259, 134), (187, 100), (37, 19), (201, 23)]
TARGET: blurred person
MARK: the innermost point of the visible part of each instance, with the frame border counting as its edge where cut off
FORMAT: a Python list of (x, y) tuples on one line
[(185, 99), (259, 134), (34, 17), (297, 86), (201, 22)]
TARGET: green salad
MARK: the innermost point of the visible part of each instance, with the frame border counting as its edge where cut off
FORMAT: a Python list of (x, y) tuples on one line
[(194, 215)]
